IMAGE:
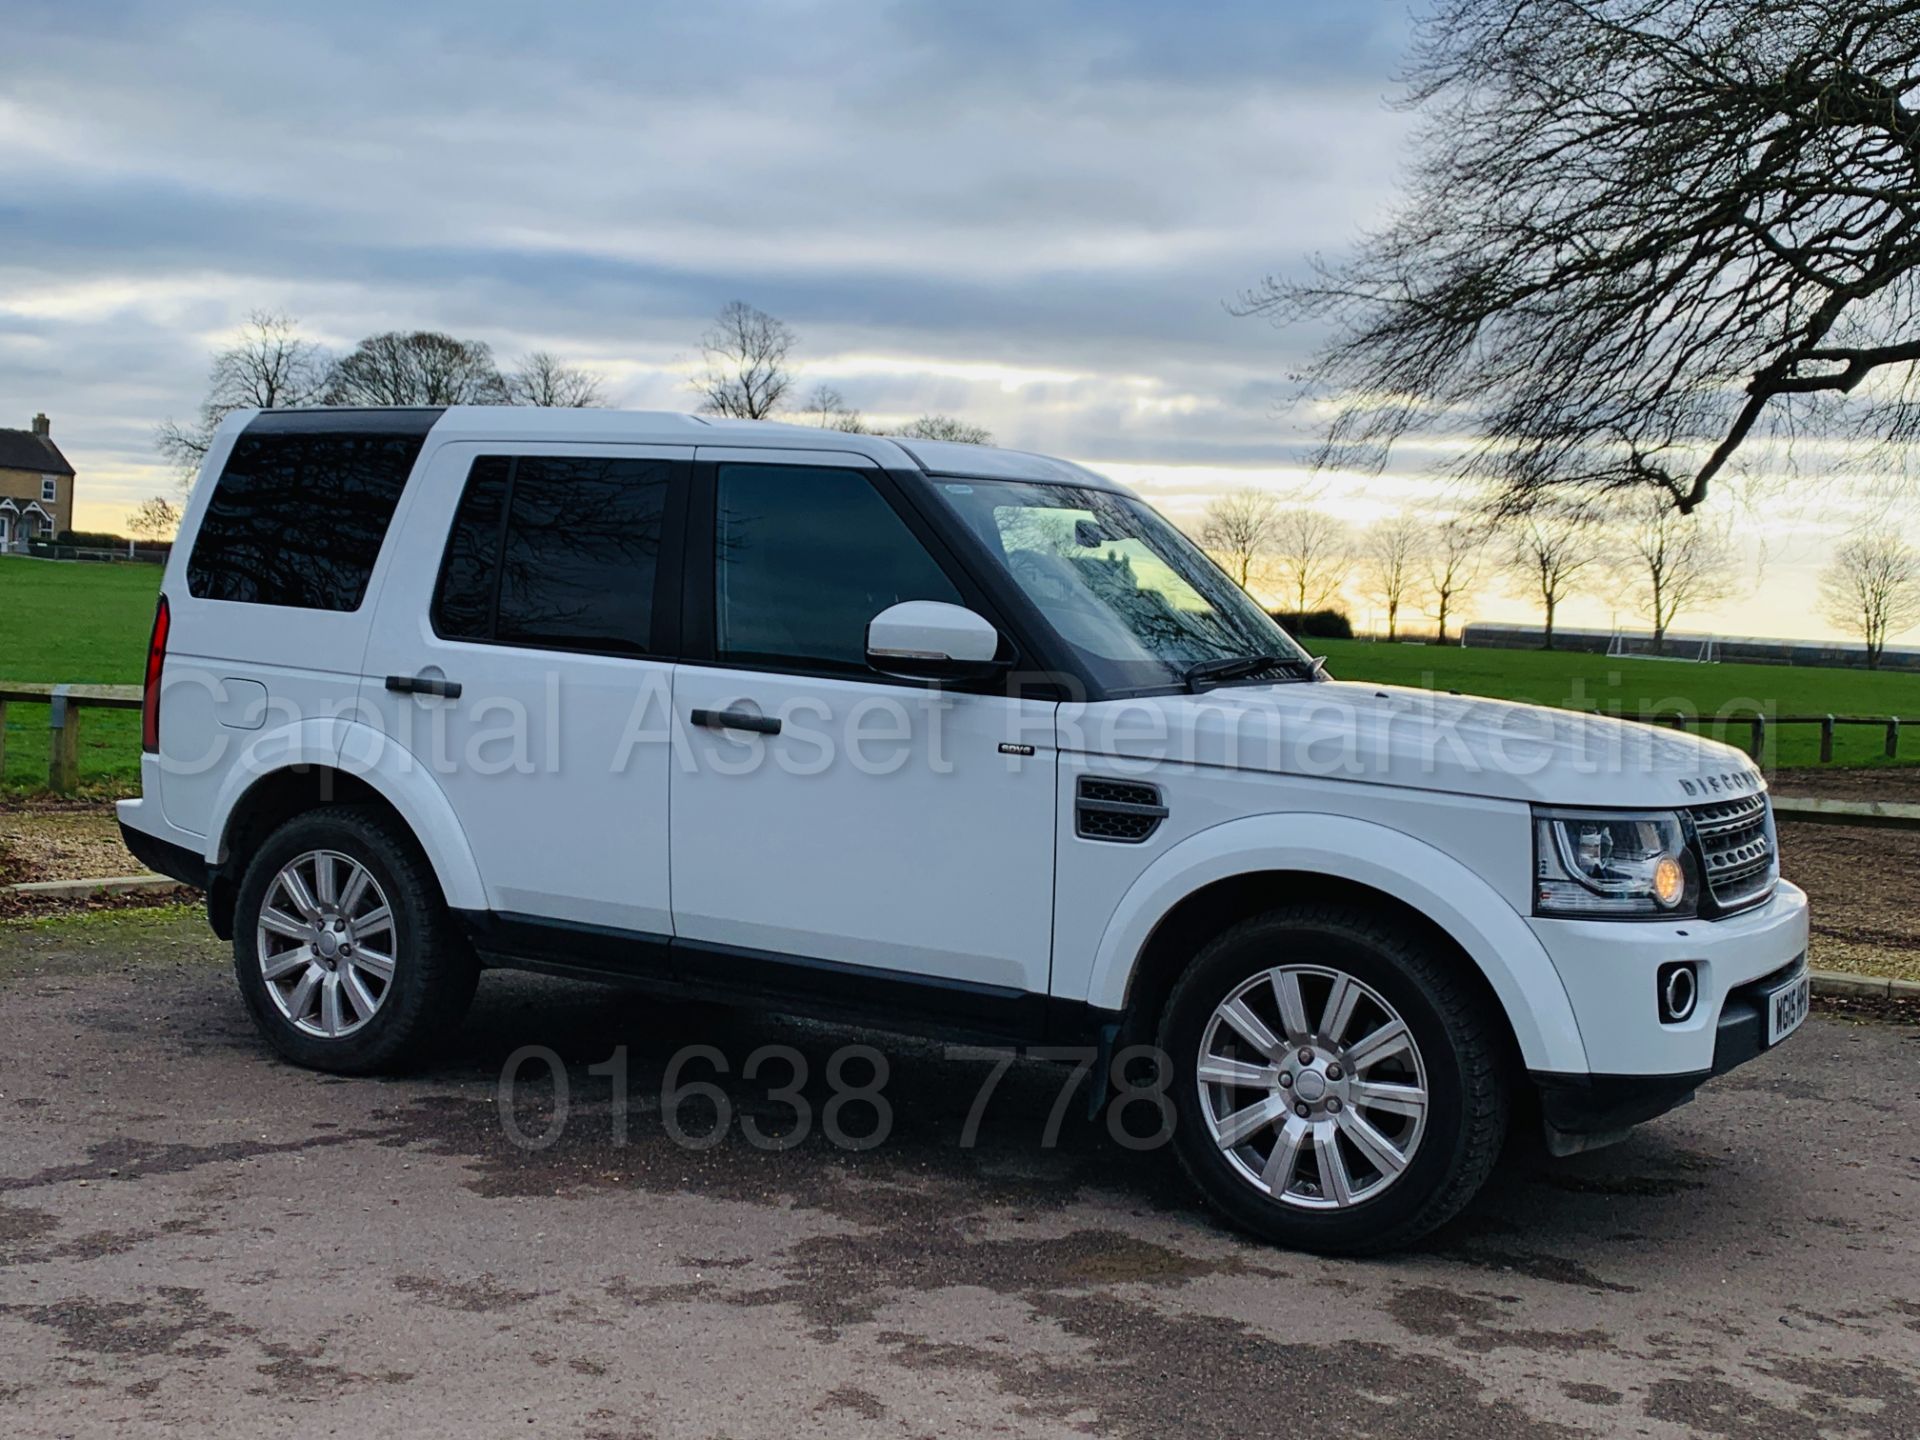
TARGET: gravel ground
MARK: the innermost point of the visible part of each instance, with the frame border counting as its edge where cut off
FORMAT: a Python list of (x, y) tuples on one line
[(195, 1238)]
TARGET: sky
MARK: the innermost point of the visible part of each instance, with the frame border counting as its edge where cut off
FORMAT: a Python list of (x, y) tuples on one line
[(1034, 216)]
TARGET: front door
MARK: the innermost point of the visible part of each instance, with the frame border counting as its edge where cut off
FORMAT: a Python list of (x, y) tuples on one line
[(823, 812), (537, 600)]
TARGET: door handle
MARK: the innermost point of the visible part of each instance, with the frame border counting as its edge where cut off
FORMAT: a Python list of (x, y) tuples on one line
[(737, 720), (423, 685)]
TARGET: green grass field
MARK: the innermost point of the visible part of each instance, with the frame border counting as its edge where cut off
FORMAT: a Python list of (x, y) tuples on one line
[(1594, 682), (78, 624), (88, 623)]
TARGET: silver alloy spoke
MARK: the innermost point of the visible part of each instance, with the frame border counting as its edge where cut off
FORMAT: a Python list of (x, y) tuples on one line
[(1390, 1039), (287, 961), (300, 998), (374, 962), (1395, 1099), (1372, 1144), (358, 995), (1293, 1006), (1236, 1129), (373, 922), (1285, 1159), (281, 923), (296, 890), (1334, 1179), (1253, 1030), (355, 887), (1217, 1070), (1338, 1014), (331, 1019), (324, 877)]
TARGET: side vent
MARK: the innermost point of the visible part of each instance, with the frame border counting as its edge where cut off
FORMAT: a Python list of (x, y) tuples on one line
[(1123, 811)]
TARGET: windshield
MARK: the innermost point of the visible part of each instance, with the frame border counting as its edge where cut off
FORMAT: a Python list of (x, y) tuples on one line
[(1138, 600)]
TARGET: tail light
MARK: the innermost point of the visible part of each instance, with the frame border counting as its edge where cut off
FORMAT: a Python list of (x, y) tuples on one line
[(156, 660)]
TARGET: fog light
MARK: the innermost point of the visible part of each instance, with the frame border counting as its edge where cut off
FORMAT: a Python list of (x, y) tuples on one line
[(1669, 882), (1679, 991)]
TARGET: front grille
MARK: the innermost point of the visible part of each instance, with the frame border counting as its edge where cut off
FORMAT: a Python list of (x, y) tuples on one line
[(1736, 848), (1127, 811)]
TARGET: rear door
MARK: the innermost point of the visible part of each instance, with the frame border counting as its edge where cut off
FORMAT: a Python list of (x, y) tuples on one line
[(523, 661)]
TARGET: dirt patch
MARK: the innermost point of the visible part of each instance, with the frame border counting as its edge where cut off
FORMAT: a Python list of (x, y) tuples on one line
[(1827, 782), (61, 840), (1860, 883)]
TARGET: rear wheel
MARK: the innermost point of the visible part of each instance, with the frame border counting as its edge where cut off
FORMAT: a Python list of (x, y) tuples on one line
[(1337, 1085), (343, 946)]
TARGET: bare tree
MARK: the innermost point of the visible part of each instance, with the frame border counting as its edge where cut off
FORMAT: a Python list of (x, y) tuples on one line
[(1310, 549), (747, 375), (946, 427), (1668, 563), (1872, 588), (155, 518), (831, 411), (421, 368), (1549, 553), (269, 366), (1454, 565), (1238, 528), (1391, 551), (540, 379), (1639, 234)]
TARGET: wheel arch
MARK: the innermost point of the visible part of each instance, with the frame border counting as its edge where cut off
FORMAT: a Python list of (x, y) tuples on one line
[(1221, 876), (377, 775)]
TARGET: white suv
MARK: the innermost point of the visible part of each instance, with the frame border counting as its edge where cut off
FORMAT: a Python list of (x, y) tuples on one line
[(934, 737)]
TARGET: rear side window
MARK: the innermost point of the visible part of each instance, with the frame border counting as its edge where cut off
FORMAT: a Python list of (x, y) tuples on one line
[(298, 519), (554, 552)]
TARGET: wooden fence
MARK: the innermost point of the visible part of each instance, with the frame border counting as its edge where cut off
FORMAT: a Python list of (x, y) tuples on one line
[(64, 704)]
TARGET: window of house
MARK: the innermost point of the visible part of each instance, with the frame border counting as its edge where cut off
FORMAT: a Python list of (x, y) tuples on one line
[(49, 487), (555, 553), (804, 557), (298, 519)]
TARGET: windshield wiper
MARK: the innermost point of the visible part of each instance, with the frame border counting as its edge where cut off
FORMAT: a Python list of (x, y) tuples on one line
[(1240, 667)]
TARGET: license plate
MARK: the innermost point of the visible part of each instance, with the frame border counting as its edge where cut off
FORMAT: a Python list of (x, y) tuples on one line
[(1787, 1007)]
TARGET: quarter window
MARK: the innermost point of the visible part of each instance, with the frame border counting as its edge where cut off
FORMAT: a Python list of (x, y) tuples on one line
[(804, 557), (298, 519), (555, 552)]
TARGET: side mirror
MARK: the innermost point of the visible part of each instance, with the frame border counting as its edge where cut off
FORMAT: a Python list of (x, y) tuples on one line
[(932, 640)]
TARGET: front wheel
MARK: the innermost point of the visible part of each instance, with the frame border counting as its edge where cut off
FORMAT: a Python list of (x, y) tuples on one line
[(343, 946), (1338, 1085)]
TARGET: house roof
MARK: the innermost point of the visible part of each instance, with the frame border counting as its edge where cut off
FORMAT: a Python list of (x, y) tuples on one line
[(24, 450)]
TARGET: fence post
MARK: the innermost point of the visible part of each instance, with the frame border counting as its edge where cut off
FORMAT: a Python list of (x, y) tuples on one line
[(1893, 736), (3, 740), (63, 747), (1760, 741), (1826, 741)]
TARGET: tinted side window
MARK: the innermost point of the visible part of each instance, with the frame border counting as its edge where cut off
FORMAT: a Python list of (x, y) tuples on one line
[(555, 552), (803, 559), (298, 519)]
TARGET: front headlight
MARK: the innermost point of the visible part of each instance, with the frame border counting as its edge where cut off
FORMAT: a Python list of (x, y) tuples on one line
[(1590, 864)]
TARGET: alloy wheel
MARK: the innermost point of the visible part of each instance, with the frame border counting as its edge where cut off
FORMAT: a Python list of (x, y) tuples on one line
[(327, 943), (1312, 1086)]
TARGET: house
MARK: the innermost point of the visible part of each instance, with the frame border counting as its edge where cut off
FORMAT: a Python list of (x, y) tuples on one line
[(36, 485)]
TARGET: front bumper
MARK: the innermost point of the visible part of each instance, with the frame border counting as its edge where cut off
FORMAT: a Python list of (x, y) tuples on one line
[(1584, 1110)]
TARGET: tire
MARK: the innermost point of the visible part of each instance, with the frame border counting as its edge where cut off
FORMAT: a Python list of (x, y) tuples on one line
[(1421, 1161), (432, 970)]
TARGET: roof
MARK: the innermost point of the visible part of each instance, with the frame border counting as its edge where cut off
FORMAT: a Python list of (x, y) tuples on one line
[(24, 450), (669, 427)]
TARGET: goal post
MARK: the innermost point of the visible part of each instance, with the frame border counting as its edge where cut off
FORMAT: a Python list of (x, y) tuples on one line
[(1639, 645)]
